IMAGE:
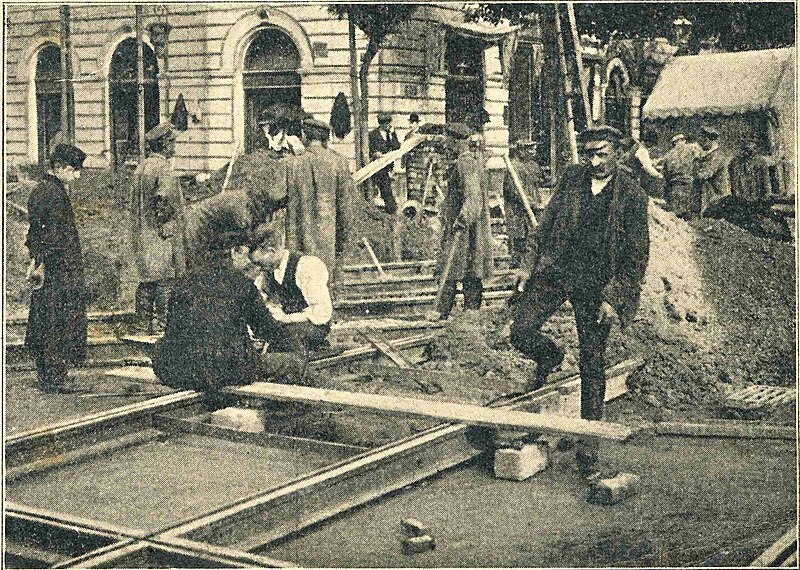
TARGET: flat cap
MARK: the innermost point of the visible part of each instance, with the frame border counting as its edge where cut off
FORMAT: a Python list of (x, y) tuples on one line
[(600, 133), (384, 117), (69, 155), (164, 129), (710, 132), (458, 131), (678, 137), (316, 125)]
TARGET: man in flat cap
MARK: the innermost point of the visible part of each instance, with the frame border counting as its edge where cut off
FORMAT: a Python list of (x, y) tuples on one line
[(591, 247), (465, 227), (56, 334), (523, 158), (711, 178), (158, 223), (319, 215), (678, 166), (383, 140)]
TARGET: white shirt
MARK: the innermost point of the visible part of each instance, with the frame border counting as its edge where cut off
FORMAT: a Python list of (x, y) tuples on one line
[(599, 184), (312, 280)]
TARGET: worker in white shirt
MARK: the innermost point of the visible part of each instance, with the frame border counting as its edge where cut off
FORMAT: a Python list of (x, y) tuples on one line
[(295, 289)]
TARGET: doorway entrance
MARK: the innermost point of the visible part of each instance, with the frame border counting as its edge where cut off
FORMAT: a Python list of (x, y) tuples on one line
[(463, 87)]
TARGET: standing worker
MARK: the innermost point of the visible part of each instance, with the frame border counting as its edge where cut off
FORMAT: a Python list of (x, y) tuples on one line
[(157, 215), (523, 158), (678, 165), (711, 177), (591, 247), (56, 334), (466, 228), (319, 215), (384, 140)]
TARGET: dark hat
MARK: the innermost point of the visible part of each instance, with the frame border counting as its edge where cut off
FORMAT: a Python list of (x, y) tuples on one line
[(384, 117), (458, 131), (413, 118), (312, 124), (600, 133), (164, 129), (69, 155), (710, 132)]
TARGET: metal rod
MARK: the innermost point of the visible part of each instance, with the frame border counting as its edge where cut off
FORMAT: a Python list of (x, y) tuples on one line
[(140, 78)]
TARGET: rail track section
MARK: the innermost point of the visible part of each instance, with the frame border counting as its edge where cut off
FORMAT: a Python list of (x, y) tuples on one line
[(120, 488)]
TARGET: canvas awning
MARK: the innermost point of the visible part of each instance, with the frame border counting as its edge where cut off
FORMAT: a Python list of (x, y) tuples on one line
[(721, 84), (454, 19)]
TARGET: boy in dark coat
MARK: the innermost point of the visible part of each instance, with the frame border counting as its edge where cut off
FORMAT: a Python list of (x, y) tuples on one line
[(591, 248), (383, 140), (56, 335)]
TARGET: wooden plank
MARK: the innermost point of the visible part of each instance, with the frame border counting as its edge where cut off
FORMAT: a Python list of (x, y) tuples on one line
[(377, 165), (731, 429), (444, 411), (386, 349), (779, 550)]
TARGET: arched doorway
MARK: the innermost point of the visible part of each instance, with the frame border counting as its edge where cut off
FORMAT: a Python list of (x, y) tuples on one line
[(123, 98), (48, 97), (617, 106), (270, 75)]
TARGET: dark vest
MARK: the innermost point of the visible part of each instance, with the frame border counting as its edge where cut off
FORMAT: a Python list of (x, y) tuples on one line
[(289, 294)]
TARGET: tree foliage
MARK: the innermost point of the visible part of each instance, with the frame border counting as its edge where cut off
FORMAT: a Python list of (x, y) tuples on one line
[(738, 25)]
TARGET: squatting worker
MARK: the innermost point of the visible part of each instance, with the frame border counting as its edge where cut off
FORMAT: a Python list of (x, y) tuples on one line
[(383, 140), (158, 223), (591, 248), (295, 288), (206, 344), (523, 158), (465, 226), (56, 334), (319, 215)]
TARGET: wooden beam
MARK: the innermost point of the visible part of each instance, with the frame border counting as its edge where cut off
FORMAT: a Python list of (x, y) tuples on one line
[(444, 411), (379, 164), (730, 429), (780, 550)]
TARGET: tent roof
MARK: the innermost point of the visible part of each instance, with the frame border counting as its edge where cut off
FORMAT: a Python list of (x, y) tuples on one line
[(720, 83)]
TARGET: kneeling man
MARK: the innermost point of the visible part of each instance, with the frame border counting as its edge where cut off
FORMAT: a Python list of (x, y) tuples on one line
[(295, 288)]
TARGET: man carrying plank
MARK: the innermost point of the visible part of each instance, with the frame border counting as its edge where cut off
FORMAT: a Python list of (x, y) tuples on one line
[(591, 248)]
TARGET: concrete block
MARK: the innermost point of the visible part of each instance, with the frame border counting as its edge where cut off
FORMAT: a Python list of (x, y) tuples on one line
[(242, 419), (418, 544), (520, 464), (614, 490), (414, 527)]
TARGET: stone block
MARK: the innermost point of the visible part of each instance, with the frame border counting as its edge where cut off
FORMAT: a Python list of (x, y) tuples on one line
[(414, 527), (242, 419), (614, 490), (520, 464), (418, 544)]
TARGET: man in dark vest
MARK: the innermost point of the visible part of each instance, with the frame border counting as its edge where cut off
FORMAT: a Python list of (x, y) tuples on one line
[(591, 247), (295, 288), (383, 140), (56, 334)]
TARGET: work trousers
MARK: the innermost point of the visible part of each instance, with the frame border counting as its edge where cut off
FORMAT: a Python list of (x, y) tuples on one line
[(473, 295), (298, 337), (50, 371), (384, 184), (540, 300), (152, 299)]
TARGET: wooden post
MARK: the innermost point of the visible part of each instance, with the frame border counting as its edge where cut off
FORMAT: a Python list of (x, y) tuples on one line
[(67, 97), (576, 41), (562, 60), (358, 126), (140, 78)]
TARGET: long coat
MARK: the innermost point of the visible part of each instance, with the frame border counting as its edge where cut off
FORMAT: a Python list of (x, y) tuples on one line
[(629, 241), (530, 175), (319, 215), (467, 196), (712, 180), (158, 220), (57, 316)]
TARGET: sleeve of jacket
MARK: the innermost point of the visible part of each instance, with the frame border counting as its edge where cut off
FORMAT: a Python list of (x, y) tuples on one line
[(545, 227), (46, 217), (468, 170), (624, 289), (375, 140)]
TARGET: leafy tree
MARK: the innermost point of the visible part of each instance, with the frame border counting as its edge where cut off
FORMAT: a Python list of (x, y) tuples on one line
[(376, 21)]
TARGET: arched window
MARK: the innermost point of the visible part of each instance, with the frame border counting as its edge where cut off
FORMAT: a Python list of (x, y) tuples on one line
[(270, 75), (48, 97), (123, 97), (617, 101)]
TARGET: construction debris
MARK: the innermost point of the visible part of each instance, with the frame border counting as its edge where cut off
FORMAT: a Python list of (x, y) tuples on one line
[(614, 490), (418, 544), (521, 464)]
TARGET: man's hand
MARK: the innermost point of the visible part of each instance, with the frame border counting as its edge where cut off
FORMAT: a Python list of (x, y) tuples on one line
[(606, 314), (521, 277), (35, 275)]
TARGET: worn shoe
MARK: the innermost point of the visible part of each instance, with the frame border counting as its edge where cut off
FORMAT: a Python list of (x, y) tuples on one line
[(543, 370)]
